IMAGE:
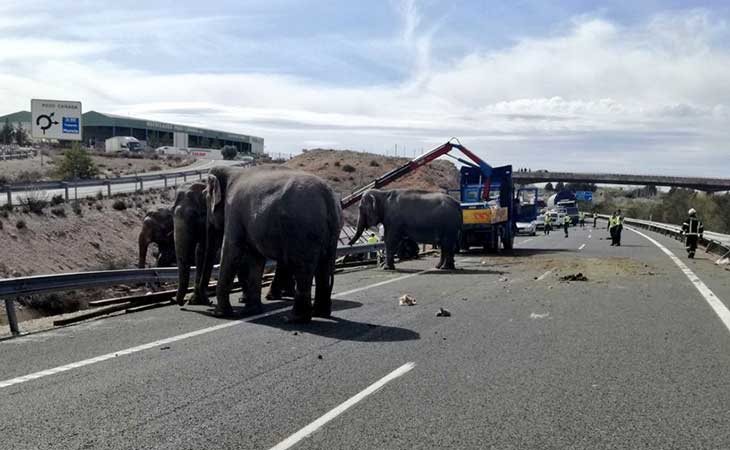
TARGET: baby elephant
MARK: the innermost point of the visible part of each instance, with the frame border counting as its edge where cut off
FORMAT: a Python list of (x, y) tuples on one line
[(157, 228)]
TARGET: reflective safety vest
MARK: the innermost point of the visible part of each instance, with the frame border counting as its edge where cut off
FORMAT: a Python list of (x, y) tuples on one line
[(566, 220), (612, 221), (373, 240), (548, 219), (693, 226), (582, 215)]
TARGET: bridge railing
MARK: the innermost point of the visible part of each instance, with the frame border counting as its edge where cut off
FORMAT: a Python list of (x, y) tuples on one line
[(39, 284)]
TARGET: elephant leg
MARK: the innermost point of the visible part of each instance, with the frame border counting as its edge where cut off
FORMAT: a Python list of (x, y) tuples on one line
[(209, 250), (243, 279), (302, 310), (391, 245), (441, 260), (197, 298), (254, 270), (275, 290), (448, 257), (230, 259), (324, 278)]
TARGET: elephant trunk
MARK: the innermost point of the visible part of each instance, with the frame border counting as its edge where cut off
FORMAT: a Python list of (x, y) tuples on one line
[(360, 229), (143, 244)]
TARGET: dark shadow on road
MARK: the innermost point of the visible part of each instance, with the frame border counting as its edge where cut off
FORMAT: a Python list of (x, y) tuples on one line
[(339, 328), (459, 271)]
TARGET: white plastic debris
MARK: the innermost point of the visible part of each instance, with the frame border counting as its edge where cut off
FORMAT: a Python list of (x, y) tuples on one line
[(407, 300)]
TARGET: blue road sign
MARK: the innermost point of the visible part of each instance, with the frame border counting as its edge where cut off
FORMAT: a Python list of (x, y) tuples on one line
[(71, 125), (586, 196)]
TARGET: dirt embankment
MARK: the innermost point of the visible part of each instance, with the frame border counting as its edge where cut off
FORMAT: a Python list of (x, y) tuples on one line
[(109, 166), (347, 170)]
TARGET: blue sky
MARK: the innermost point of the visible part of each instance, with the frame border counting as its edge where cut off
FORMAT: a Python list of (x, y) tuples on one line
[(625, 86)]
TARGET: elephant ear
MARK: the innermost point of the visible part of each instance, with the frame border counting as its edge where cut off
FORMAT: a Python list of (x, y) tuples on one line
[(213, 195), (368, 208)]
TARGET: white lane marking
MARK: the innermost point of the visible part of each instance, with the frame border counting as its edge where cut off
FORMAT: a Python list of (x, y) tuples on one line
[(582, 247), (542, 277), (715, 303), (524, 242), (161, 342), (319, 423)]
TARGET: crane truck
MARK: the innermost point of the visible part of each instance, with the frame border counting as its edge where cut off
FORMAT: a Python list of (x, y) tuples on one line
[(488, 200)]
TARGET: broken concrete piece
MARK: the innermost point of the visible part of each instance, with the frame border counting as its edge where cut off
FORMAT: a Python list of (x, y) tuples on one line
[(443, 313), (407, 300), (574, 277)]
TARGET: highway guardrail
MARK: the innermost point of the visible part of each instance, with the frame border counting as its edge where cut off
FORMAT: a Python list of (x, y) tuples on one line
[(716, 243), (39, 284)]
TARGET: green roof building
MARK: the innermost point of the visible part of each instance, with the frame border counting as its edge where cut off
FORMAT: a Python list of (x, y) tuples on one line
[(97, 127)]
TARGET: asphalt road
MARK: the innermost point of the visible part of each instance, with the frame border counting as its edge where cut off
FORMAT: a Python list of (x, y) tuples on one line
[(83, 192), (634, 357)]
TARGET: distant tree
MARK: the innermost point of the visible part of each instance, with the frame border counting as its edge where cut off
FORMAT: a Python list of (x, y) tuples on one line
[(6, 135), (229, 152), (21, 136), (560, 186), (76, 162), (549, 187)]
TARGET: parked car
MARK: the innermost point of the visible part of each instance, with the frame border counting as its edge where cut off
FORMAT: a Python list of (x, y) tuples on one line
[(527, 228), (540, 222)]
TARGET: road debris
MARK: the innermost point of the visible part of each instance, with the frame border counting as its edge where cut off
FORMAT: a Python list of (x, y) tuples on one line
[(504, 279), (443, 313), (319, 356), (534, 316), (574, 277), (167, 347), (407, 300)]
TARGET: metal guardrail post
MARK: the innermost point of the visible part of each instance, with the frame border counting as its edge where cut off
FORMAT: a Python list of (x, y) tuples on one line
[(109, 189), (65, 191), (164, 178), (10, 195), (185, 177), (12, 318), (141, 183), (200, 175)]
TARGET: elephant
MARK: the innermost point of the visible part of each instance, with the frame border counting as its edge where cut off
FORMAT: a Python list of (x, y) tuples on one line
[(190, 219), (420, 216), (289, 216), (189, 212), (157, 228)]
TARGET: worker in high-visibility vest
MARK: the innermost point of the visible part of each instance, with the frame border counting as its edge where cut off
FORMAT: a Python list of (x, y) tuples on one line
[(582, 219), (692, 229), (595, 219), (373, 239), (548, 224), (612, 221), (619, 227), (566, 224)]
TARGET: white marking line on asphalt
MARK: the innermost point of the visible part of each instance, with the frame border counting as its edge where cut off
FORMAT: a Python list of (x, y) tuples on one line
[(542, 277), (582, 247), (319, 423), (715, 303), (161, 342), (524, 242)]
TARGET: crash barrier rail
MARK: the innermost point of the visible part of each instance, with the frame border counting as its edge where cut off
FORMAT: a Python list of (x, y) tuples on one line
[(716, 243), (66, 185), (39, 284)]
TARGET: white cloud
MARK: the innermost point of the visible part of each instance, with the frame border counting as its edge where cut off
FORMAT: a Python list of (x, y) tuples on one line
[(597, 92)]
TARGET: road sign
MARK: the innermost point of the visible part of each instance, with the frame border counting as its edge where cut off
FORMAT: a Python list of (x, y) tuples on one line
[(55, 119), (586, 196)]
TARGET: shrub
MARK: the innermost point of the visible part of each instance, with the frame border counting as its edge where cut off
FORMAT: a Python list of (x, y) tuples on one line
[(99, 206), (5, 212), (348, 168), (57, 200), (1, 225), (337, 164), (58, 211), (119, 205), (112, 262), (155, 168), (52, 304), (20, 224), (77, 208), (76, 162), (100, 195), (229, 152), (335, 179), (374, 163), (35, 201)]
